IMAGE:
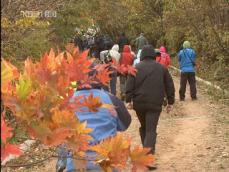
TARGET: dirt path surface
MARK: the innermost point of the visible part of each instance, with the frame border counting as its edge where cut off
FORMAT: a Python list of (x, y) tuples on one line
[(192, 138)]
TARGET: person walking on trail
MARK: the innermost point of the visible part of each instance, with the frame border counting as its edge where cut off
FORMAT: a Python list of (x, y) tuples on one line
[(107, 57), (145, 94), (187, 58), (114, 53), (164, 57), (140, 42), (126, 59), (104, 124), (107, 42), (123, 40)]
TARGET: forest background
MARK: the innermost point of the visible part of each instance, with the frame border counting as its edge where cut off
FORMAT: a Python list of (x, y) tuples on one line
[(204, 23)]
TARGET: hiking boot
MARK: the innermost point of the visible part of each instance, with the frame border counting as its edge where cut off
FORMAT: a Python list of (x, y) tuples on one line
[(151, 168), (195, 98)]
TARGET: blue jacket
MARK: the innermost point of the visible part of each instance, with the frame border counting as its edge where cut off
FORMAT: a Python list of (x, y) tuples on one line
[(104, 123), (185, 56)]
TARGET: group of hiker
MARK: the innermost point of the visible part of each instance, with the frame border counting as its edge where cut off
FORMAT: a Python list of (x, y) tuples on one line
[(146, 93), (96, 43)]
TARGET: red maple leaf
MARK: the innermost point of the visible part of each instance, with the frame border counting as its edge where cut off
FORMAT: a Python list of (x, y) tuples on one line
[(121, 68), (9, 149), (131, 70), (103, 76), (6, 131)]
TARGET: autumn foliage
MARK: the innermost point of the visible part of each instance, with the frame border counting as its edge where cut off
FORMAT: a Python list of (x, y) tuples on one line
[(40, 98)]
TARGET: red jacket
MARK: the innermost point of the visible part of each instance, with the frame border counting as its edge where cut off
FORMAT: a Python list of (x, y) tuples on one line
[(126, 57), (164, 59)]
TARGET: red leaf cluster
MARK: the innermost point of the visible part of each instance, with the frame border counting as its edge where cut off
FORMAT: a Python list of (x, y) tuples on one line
[(41, 99)]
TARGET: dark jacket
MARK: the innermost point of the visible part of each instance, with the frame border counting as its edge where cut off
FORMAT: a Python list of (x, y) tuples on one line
[(148, 88), (78, 43), (123, 40), (141, 41)]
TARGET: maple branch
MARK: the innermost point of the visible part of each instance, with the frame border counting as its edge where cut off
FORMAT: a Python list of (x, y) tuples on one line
[(45, 159), (27, 165)]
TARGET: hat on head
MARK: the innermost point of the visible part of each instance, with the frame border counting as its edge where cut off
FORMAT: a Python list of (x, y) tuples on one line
[(148, 52), (186, 44)]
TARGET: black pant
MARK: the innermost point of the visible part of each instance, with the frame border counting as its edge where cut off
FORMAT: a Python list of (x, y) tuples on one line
[(190, 77), (148, 130), (123, 79), (113, 82)]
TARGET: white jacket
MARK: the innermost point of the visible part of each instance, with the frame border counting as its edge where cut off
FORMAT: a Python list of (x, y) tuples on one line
[(113, 52)]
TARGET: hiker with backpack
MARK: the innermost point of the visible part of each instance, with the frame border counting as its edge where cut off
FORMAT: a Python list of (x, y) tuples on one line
[(187, 58), (108, 57), (163, 57), (140, 42), (104, 122)]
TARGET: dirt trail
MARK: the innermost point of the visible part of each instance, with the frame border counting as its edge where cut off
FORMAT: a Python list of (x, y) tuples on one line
[(190, 138), (186, 139)]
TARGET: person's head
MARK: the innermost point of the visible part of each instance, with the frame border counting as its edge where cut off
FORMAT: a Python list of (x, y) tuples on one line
[(148, 52), (141, 34), (115, 47), (186, 44), (126, 49), (162, 49)]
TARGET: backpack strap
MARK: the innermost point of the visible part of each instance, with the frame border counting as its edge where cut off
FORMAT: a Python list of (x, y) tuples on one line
[(193, 63)]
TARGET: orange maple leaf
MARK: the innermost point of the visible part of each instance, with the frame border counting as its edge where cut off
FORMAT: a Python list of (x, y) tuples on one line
[(113, 152), (58, 136), (8, 71), (70, 47), (140, 158), (92, 103), (8, 74), (77, 68)]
